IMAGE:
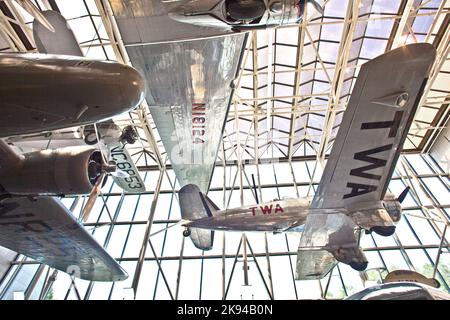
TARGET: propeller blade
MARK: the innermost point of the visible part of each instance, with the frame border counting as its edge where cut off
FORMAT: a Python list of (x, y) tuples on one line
[(317, 6), (92, 197), (403, 195), (99, 144)]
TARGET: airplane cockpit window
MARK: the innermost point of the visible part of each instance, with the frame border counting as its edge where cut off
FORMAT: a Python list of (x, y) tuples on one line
[(245, 10)]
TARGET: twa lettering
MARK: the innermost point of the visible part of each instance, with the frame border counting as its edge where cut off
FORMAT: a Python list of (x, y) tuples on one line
[(373, 162), (267, 209)]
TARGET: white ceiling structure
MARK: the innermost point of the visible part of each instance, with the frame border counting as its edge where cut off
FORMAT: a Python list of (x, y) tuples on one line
[(295, 81)]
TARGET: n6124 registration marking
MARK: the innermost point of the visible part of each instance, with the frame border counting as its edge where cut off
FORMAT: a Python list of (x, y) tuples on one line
[(198, 123), (372, 162)]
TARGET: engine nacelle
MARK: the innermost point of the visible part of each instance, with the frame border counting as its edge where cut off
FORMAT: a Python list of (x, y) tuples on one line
[(393, 208), (378, 216), (64, 171)]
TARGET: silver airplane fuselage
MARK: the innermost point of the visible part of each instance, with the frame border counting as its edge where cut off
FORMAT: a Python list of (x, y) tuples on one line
[(289, 215), (274, 216), (41, 92)]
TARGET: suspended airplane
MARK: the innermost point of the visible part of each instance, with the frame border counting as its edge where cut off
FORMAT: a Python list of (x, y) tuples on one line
[(157, 21), (352, 191), (190, 71), (42, 92), (190, 83), (112, 137), (48, 92)]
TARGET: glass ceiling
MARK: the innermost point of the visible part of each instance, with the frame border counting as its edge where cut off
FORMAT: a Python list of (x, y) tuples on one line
[(295, 82)]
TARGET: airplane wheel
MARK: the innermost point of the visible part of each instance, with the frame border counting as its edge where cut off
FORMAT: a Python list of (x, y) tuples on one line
[(90, 138), (359, 266), (384, 231), (187, 233)]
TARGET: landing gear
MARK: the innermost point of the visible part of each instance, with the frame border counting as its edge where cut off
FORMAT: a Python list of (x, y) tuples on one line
[(359, 266), (129, 135), (90, 137), (384, 231), (187, 232)]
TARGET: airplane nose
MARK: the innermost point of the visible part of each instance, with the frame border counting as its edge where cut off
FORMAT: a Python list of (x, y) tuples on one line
[(132, 87)]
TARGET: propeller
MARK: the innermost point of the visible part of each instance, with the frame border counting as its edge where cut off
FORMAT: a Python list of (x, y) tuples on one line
[(403, 195), (98, 171), (92, 198)]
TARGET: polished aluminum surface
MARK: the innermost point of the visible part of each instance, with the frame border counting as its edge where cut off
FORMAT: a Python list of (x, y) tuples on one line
[(144, 22), (46, 92), (374, 127), (189, 92), (352, 192)]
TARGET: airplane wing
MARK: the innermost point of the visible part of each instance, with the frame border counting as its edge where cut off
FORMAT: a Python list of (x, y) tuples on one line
[(47, 140), (43, 229), (145, 22), (374, 127), (189, 90), (313, 264)]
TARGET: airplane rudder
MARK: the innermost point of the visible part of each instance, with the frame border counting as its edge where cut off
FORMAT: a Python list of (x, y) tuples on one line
[(191, 203)]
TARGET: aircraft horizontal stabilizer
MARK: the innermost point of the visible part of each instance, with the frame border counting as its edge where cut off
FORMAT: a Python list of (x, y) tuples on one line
[(44, 230), (202, 239)]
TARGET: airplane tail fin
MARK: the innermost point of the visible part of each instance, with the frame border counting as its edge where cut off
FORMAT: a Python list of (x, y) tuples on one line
[(195, 205), (61, 41)]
